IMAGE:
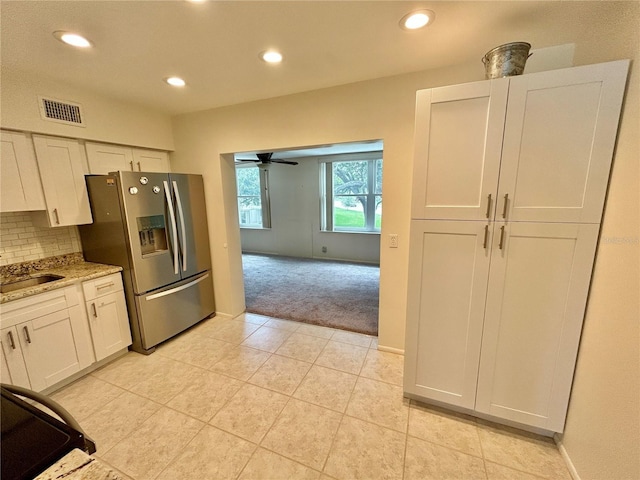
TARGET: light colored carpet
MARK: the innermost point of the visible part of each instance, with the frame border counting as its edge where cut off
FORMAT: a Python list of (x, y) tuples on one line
[(321, 292)]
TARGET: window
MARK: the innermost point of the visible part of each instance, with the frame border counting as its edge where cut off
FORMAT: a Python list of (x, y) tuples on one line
[(253, 196), (352, 189)]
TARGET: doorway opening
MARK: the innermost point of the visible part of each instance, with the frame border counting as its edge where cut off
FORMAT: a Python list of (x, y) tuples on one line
[(310, 233)]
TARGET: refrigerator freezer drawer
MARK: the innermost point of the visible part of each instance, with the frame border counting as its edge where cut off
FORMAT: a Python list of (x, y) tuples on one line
[(167, 312)]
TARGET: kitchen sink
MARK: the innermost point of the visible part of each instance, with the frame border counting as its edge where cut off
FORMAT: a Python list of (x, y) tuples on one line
[(28, 282)]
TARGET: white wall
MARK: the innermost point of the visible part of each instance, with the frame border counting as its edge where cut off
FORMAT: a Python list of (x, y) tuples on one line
[(107, 120), (295, 220), (602, 434)]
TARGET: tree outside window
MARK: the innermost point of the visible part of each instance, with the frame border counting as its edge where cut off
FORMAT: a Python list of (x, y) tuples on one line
[(353, 194)]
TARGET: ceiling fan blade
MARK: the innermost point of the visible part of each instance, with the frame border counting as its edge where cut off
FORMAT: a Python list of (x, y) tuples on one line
[(247, 160), (287, 162)]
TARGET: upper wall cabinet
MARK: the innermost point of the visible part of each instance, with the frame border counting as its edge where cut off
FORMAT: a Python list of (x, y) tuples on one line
[(20, 187), (535, 147), (62, 173), (104, 158)]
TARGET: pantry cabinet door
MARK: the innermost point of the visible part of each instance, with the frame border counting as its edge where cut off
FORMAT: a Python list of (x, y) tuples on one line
[(447, 288), (559, 138), (62, 171), (20, 186), (458, 142), (104, 159), (536, 299)]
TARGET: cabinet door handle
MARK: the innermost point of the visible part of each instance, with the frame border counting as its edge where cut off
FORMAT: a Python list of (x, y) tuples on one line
[(501, 244), (94, 310), (504, 208), (131, 165), (486, 236), (11, 340), (26, 334), (139, 168), (104, 285), (488, 205), (55, 214)]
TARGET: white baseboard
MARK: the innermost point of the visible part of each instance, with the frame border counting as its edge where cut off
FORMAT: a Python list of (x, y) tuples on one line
[(565, 456), (382, 348)]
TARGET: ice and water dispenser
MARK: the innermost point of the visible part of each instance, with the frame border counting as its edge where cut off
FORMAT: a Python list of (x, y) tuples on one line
[(152, 234)]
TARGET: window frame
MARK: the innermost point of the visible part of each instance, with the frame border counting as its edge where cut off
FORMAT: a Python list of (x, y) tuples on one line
[(265, 200), (327, 194)]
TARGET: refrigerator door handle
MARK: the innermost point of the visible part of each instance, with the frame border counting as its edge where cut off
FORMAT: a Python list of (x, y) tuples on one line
[(174, 229), (183, 247), (177, 289)]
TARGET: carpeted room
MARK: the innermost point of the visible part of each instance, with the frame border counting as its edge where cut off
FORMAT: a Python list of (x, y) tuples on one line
[(310, 228)]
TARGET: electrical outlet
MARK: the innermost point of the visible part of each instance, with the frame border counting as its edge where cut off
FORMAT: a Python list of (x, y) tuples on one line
[(393, 240)]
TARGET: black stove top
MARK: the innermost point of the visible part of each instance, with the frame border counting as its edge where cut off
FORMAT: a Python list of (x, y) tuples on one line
[(32, 440)]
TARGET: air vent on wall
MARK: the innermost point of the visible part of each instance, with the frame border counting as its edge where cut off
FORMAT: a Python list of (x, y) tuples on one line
[(61, 111)]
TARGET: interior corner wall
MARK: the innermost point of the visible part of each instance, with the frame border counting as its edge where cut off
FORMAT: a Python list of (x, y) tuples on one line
[(602, 433), (107, 120), (294, 192)]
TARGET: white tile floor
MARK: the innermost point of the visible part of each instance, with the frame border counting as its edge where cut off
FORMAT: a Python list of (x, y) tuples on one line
[(260, 398)]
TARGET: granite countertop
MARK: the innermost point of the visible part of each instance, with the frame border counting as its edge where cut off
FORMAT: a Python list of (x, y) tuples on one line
[(77, 465), (72, 267)]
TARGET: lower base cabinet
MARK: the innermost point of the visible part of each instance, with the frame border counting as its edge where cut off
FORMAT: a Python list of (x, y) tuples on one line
[(107, 312), (495, 314), (14, 371), (48, 337)]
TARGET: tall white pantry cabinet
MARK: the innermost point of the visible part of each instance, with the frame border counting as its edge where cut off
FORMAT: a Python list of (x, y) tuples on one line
[(509, 182)]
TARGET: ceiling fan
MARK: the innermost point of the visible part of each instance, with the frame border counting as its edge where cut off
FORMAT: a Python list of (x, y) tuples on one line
[(265, 159)]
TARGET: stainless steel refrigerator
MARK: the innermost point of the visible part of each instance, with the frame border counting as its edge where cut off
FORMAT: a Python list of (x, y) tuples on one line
[(153, 225)]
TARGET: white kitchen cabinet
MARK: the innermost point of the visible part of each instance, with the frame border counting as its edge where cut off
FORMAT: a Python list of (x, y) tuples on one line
[(496, 330), (107, 313), (458, 143), (536, 300), (448, 280), (103, 159), (151, 160), (62, 173), (14, 370), (53, 334), (534, 147), (20, 186)]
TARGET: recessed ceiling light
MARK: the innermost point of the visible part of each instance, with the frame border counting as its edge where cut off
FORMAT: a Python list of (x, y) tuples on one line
[(175, 81), (72, 39), (417, 19), (271, 56)]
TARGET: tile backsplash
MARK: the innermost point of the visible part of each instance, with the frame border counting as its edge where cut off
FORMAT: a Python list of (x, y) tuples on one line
[(21, 240)]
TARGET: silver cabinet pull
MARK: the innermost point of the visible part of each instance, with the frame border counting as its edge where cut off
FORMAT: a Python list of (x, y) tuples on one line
[(55, 214), (501, 244), (26, 334), (11, 340), (94, 310), (131, 165), (139, 169), (488, 205), (104, 285), (504, 209), (486, 236)]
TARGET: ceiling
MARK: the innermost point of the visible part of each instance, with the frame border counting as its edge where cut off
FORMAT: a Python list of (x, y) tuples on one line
[(214, 46)]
